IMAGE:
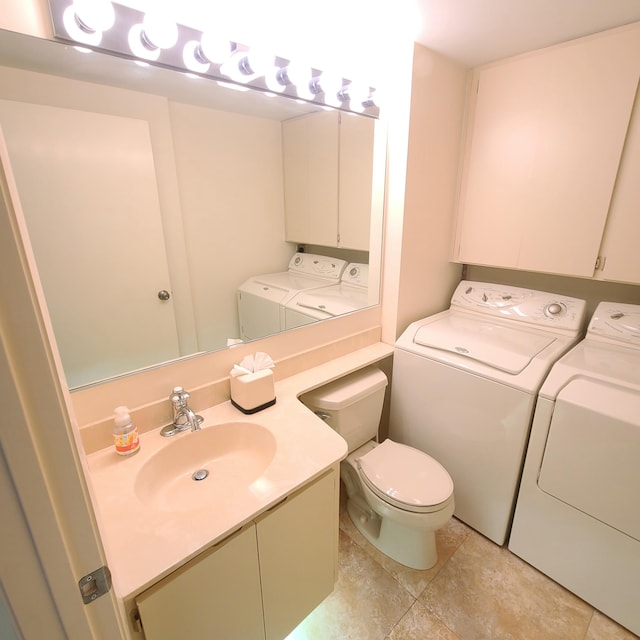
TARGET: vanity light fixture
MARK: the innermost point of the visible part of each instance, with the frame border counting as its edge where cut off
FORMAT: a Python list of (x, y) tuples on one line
[(154, 38)]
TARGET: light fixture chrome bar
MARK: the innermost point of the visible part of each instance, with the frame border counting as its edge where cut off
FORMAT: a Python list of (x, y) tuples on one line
[(126, 35)]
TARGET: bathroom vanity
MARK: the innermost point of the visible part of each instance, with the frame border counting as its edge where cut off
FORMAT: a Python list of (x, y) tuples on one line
[(249, 551), (259, 582)]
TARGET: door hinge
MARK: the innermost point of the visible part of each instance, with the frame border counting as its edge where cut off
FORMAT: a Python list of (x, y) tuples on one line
[(95, 584), (600, 262), (136, 621)]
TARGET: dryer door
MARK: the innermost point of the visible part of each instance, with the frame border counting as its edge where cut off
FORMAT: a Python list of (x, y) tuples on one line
[(591, 459)]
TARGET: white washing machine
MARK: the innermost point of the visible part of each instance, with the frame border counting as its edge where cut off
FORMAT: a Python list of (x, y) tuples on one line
[(261, 299), (577, 517), (351, 294), (464, 387)]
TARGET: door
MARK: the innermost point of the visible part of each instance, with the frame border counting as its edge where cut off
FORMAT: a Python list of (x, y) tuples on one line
[(37, 440), (81, 177)]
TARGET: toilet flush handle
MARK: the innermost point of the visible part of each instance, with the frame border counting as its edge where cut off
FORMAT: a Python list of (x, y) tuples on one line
[(322, 415)]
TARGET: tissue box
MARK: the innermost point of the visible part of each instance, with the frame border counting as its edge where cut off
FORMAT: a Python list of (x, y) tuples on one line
[(253, 392)]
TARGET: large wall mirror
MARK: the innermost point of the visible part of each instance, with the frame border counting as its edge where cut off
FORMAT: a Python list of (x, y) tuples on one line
[(151, 196)]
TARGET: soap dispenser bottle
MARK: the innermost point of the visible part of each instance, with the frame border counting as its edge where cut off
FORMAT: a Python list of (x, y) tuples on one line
[(125, 433)]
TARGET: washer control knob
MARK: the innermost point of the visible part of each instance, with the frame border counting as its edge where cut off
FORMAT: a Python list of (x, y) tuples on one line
[(554, 309)]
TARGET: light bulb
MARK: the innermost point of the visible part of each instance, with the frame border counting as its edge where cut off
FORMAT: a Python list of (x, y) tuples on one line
[(192, 60), (137, 45), (86, 20), (299, 75), (357, 94), (331, 85), (275, 80), (214, 47), (158, 31), (94, 15), (256, 62)]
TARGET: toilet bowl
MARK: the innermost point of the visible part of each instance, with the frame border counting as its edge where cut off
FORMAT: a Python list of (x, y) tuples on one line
[(397, 496)]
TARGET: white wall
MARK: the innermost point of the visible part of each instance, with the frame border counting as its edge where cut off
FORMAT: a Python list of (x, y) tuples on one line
[(230, 178), (426, 278)]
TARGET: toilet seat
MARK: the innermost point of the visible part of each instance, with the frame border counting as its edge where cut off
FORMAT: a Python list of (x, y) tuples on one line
[(405, 477)]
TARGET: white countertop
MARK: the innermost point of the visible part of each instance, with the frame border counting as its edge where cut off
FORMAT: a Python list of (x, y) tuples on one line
[(144, 543)]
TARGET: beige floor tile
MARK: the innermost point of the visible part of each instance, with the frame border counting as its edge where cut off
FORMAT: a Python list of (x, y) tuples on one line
[(486, 593), (366, 604), (448, 539), (602, 628), (420, 624)]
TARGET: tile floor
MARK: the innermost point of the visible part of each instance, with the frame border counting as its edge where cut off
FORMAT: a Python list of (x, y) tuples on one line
[(476, 591)]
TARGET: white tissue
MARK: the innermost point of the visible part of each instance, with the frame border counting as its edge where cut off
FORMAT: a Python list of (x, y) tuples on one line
[(252, 364)]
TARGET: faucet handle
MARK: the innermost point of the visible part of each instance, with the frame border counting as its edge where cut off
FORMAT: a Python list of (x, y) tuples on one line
[(179, 397)]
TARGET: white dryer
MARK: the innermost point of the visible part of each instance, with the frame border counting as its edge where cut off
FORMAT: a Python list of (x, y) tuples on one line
[(577, 517), (350, 294), (464, 387), (261, 299)]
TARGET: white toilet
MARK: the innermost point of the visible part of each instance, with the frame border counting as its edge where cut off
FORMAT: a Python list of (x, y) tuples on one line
[(397, 496)]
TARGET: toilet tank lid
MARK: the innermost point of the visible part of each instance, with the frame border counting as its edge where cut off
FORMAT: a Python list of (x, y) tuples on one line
[(345, 391)]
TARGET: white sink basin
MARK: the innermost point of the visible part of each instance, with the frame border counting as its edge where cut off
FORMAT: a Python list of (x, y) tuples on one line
[(232, 456)]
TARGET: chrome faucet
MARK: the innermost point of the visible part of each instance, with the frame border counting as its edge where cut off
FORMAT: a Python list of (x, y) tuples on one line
[(184, 417)]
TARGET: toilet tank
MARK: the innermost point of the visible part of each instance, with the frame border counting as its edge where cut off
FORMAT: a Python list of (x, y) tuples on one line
[(351, 405)]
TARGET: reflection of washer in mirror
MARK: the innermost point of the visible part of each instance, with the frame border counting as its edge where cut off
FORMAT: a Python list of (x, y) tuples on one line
[(349, 295), (262, 299)]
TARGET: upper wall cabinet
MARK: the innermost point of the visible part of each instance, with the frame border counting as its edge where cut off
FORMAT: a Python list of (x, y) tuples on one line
[(619, 253), (545, 137), (328, 159)]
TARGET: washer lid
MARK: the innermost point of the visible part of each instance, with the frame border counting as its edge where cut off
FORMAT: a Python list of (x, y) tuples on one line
[(334, 300), (406, 477), (496, 345)]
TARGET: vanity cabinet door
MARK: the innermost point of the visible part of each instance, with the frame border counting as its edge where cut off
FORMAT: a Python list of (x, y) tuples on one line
[(216, 595), (545, 137), (298, 548)]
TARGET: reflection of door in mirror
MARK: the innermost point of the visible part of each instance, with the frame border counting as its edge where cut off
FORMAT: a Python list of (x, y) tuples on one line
[(87, 186)]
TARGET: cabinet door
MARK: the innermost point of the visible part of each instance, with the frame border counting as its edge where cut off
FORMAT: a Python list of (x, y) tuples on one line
[(216, 595), (355, 181), (543, 151), (298, 547), (310, 157), (620, 250)]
